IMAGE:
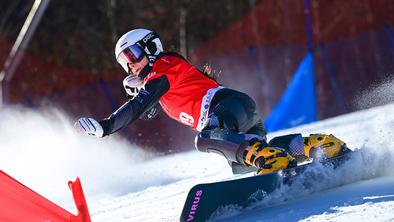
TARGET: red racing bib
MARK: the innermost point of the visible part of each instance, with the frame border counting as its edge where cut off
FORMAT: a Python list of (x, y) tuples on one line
[(190, 93)]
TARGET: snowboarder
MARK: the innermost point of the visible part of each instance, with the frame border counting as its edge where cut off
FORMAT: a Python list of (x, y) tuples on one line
[(226, 119)]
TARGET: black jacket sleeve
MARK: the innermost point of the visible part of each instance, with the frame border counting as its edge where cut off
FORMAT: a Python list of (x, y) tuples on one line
[(133, 109), (152, 112)]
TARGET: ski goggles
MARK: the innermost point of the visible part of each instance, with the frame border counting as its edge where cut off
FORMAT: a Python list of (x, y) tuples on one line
[(131, 54)]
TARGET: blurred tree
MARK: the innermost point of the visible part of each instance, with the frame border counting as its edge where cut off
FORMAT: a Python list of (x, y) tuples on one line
[(82, 34)]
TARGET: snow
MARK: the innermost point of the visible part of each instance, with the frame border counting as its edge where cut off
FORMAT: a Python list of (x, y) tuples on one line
[(353, 202), (371, 198), (121, 183)]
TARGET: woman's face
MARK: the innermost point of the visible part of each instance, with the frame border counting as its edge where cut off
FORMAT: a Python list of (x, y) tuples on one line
[(137, 67)]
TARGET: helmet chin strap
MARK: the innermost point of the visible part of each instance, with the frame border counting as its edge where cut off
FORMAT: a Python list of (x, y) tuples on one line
[(144, 72), (129, 72), (152, 59)]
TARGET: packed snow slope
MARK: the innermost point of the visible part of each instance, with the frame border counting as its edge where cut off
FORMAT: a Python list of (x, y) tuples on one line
[(122, 182), (168, 180)]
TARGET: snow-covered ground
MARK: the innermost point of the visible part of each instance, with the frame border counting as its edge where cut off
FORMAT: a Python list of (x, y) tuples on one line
[(360, 201), (41, 150)]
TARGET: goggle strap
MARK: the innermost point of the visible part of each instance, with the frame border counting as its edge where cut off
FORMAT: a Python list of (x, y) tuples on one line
[(147, 38)]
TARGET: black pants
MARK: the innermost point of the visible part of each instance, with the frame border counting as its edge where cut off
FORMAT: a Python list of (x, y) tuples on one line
[(235, 111), (230, 112)]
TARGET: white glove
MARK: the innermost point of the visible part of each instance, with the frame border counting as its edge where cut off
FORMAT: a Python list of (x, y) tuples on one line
[(133, 84), (89, 126)]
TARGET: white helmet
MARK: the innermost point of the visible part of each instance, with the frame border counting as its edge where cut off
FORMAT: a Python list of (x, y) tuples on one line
[(133, 45)]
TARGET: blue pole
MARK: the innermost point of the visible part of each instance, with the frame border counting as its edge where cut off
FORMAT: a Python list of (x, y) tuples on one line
[(308, 24), (107, 93), (389, 38), (266, 92), (309, 38), (338, 95)]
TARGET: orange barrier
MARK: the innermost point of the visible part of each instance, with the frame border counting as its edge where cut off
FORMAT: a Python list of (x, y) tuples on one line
[(80, 202), (20, 203)]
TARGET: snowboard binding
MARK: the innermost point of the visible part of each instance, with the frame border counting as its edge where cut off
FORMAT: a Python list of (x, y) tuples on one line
[(267, 159), (317, 146), (282, 152)]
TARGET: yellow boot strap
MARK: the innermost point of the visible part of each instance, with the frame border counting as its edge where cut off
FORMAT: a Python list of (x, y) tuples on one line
[(251, 152), (256, 151), (275, 164)]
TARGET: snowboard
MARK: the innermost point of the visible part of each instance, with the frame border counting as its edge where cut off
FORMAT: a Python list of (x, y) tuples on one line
[(204, 199)]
